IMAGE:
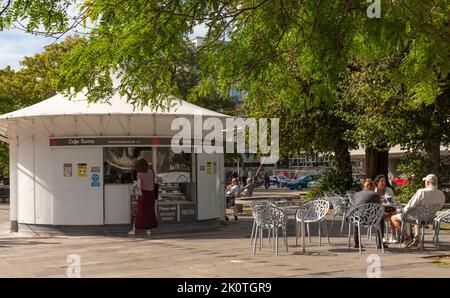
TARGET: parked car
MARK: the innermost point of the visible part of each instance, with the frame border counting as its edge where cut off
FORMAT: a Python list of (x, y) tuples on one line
[(399, 181), (302, 182), (313, 183), (279, 181)]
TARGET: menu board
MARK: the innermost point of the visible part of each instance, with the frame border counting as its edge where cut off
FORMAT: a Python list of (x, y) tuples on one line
[(187, 212), (168, 213)]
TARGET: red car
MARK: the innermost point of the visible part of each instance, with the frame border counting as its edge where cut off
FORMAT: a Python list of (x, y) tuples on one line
[(400, 180)]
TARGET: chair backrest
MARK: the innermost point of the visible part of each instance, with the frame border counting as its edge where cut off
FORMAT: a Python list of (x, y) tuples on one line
[(330, 194), (258, 203), (351, 196), (444, 216), (314, 210), (423, 214), (366, 214), (268, 216), (338, 204)]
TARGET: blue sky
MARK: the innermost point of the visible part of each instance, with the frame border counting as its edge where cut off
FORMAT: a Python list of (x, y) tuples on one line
[(15, 45)]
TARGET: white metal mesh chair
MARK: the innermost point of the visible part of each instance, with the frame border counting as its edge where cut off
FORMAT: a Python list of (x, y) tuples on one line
[(422, 216), (442, 217), (252, 207), (339, 207), (270, 218), (314, 211), (351, 196), (365, 215)]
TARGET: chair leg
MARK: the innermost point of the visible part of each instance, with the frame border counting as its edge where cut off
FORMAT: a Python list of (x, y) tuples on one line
[(434, 233), (276, 241), (343, 220), (332, 222), (325, 228), (268, 235), (349, 232), (438, 228), (380, 239), (260, 238), (256, 239), (285, 238), (401, 232), (422, 237), (308, 231), (359, 237), (253, 232), (297, 223), (320, 238)]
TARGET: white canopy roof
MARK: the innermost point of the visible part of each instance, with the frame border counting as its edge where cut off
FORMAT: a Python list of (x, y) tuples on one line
[(60, 105)]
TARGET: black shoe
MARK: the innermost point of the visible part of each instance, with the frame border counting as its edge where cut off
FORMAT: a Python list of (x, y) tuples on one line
[(235, 217), (226, 218)]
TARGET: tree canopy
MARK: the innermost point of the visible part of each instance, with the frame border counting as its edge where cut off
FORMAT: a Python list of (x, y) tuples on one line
[(248, 42), (339, 77)]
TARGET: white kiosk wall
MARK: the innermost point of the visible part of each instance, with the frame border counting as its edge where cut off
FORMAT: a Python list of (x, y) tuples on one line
[(25, 181), (210, 186), (35, 202), (43, 182), (75, 201)]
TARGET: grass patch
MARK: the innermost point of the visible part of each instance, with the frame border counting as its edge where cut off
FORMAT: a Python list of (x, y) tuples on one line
[(445, 226), (440, 260)]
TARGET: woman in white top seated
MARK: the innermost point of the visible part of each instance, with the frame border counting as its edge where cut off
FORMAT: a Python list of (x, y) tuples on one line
[(233, 192), (387, 196)]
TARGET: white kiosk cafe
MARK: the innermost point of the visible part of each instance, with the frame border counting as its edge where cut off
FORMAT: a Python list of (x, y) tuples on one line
[(72, 163)]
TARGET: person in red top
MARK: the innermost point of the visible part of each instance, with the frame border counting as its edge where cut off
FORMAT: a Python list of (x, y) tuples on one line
[(145, 213)]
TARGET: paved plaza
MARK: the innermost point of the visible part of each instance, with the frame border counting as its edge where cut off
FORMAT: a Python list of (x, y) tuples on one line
[(221, 251)]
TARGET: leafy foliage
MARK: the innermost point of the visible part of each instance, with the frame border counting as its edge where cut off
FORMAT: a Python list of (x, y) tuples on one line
[(413, 167), (332, 180), (249, 43)]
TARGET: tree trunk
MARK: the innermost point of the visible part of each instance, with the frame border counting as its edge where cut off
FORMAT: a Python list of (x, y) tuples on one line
[(343, 163), (431, 158), (377, 162)]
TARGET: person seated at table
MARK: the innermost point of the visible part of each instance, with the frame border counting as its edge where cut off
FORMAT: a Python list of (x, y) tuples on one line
[(429, 195), (233, 192), (247, 190), (366, 196), (387, 197)]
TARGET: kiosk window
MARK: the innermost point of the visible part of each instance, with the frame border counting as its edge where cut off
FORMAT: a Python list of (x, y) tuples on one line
[(119, 163), (173, 167)]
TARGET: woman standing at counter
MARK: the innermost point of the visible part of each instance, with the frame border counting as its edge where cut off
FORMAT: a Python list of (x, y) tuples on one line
[(145, 213)]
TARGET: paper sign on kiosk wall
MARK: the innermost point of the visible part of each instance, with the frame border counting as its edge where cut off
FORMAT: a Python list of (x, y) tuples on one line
[(95, 176), (67, 170), (82, 170)]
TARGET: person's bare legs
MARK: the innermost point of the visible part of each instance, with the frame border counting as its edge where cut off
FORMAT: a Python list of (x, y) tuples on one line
[(133, 230), (416, 231), (393, 227), (396, 222)]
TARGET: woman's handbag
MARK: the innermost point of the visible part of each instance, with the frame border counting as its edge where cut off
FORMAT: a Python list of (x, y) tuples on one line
[(156, 189)]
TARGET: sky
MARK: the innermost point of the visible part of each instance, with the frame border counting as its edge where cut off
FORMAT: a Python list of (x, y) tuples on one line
[(16, 44)]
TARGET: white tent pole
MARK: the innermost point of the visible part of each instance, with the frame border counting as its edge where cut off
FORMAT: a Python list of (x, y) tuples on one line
[(13, 201)]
